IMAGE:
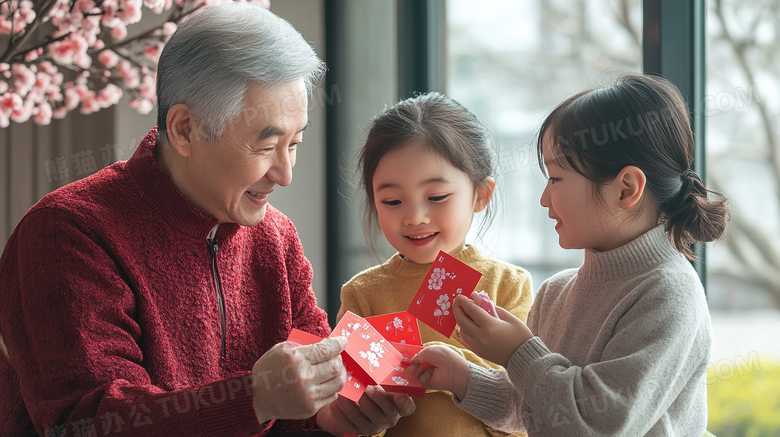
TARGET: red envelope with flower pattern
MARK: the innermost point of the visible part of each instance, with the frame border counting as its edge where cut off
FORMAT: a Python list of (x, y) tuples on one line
[(357, 378), (446, 279), (369, 356), (398, 381), (400, 327)]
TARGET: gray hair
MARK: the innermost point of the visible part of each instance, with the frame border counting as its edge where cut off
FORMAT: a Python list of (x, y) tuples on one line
[(217, 52)]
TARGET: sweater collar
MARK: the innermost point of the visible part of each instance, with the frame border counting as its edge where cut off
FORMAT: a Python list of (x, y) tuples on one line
[(401, 267), (161, 193), (645, 252)]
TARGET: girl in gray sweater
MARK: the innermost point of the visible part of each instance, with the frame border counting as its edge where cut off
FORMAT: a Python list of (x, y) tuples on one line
[(619, 346)]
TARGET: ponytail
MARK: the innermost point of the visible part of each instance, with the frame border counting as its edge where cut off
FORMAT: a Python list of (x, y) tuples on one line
[(691, 215), (658, 140)]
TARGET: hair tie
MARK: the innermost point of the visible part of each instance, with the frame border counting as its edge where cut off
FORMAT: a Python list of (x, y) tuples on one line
[(686, 174)]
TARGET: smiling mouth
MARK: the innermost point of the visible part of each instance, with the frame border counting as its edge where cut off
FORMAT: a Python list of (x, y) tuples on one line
[(421, 237), (256, 194)]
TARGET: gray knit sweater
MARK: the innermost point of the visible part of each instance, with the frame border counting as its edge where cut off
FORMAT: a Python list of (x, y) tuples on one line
[(621, 349)]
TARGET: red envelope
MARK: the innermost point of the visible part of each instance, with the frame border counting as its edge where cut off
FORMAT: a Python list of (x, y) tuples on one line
[(302, 337), (446, 279), (397, 381), (398, 327), (357, 381), (369, 356)]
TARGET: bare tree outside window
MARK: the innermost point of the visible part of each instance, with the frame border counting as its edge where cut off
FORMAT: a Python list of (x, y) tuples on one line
[(512, 61)]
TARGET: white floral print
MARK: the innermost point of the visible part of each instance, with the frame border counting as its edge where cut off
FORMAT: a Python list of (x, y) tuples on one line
[(351, 327), (437, 278), (373, 361), (396, 324), (400, 381), (377, 349), (444, 307)]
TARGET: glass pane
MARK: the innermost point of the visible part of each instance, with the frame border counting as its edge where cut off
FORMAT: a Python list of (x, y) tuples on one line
[(511, 73), (742, 113)]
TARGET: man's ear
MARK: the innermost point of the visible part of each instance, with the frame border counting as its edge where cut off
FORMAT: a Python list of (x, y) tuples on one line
[(628, 187), (484, 193), (182, 129)]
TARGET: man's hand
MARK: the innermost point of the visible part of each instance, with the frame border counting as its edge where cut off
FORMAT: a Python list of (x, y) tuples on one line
[(294, 382), (376, 411), (441, 368), (490, 338)]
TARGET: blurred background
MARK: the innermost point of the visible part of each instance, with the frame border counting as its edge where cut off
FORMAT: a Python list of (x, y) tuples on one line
[(510, 62)]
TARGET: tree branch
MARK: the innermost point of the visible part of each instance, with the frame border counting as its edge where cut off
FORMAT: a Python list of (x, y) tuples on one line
[(31, 28), (739, 51)]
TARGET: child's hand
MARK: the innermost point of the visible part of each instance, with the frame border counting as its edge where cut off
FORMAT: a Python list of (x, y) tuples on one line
[(441, 368), (490, 338)]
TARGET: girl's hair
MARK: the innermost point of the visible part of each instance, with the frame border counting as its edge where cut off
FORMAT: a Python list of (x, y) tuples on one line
[(641, 121), (437, 122)]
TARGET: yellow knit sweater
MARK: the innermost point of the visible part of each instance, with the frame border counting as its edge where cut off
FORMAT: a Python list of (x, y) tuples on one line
[(390, 287)]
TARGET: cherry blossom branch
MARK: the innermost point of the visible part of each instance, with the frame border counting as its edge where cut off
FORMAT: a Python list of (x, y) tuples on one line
[(19, 57), (90, 39), (39, 17)]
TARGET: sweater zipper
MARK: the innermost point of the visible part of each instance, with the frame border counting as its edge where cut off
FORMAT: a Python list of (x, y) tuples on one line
[(213, 249)]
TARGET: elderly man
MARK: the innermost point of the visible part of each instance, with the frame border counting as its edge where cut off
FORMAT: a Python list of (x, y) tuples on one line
[(154, 297)]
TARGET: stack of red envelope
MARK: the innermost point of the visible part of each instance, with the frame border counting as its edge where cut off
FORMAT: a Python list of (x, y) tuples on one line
[(379, 348), (373, 357)]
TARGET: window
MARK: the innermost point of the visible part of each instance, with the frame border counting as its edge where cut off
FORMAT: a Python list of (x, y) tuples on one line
[(511, 62), (743, 148)]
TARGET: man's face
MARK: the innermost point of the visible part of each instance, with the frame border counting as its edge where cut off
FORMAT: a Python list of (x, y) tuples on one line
[(233, 178)]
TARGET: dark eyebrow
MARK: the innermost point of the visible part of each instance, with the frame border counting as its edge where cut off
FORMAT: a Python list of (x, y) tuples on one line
[(439, 180), (269, 131), (274, 131)]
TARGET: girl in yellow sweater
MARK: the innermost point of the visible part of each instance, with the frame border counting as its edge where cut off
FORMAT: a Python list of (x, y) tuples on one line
[(427, 167)]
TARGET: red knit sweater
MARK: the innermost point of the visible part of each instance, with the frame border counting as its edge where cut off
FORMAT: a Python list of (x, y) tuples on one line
[(112, 318)]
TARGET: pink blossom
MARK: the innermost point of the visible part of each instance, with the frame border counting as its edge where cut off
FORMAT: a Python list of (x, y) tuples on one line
[(10, 102), (43, 117), (132, 78), (119, 32), (72, 98), (60, 112), (109, 15), (169, 28), (90, 23), (99, 44), (152, 3), (4, 121), (31, 55), (151, 53), (84, 6), (74, 46), (82, 59), (5, 26), (3, 86), (129, 11), (148, 88), (145, 107), (108, 58), (54, 93), (47, 67), (24, 79), (90, 104), (109, 95), (24, 113), (57, 78), (42, 80)]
